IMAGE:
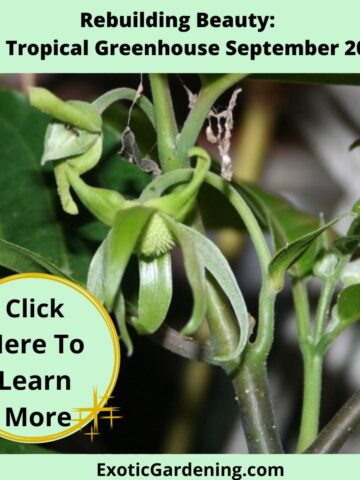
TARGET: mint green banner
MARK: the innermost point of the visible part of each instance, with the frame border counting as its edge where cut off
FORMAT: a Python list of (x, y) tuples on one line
[(181, 36), (162, 467)]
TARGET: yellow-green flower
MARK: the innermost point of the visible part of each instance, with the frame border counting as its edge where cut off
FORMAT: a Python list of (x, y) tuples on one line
[(148, 227)]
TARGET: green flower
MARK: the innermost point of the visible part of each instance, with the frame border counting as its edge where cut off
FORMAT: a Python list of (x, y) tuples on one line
[(150, 229), (73, 140), (147, 228)]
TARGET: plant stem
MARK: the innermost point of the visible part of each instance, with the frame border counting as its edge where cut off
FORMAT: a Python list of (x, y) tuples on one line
[(253, 395), (118, 94), (166, 126), (200, 110), (323, 308), (312, 358), (312, 365), (249, 376), (339, 429), (302, 310), (311, 399)]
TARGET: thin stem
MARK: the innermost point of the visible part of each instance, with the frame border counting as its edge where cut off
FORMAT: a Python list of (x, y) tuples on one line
[(322, 311), (200, 110), (118, 94), (312, 368), (166, 126), (311, 399), (339, 429), (312, 357), (302, 310)]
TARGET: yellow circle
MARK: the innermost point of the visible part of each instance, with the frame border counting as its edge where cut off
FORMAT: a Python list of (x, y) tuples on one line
[(116, 368)]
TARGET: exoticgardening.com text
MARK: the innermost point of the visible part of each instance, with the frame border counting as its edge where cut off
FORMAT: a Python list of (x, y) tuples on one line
[(158, 469)]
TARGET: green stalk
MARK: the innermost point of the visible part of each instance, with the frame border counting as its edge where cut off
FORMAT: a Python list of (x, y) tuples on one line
[(312, 357), (253, 393), (311, 399), (118, 94), (339, 429), (166, 126), (302, 310), (209, 93), (312, 367), (323, 308)]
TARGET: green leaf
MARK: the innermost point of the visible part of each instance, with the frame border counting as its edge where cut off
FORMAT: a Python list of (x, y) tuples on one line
[(219, 268), (195, 272), (348, 305), (285, 223), (21, 260), (10, 447), (95, 231), (28, 215), (120, 315), (289, 254), (355, 144), (349, 243), (155, 293), (123, 237)]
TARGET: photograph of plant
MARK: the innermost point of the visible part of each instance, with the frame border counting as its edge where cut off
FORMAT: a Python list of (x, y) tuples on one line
[(217, 218)]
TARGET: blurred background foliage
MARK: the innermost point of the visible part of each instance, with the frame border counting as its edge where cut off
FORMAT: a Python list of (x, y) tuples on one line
[(291, 137)]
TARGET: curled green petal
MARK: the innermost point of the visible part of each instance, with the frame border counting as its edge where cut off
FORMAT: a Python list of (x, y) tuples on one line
[(96, 273), (180, 202), (120, 315), (195, 272), (62, 142), (81, 115), (63, 188), (219, 268), (155, 293), (123, 238), (85, 162), (96, 285), (101, 202)]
